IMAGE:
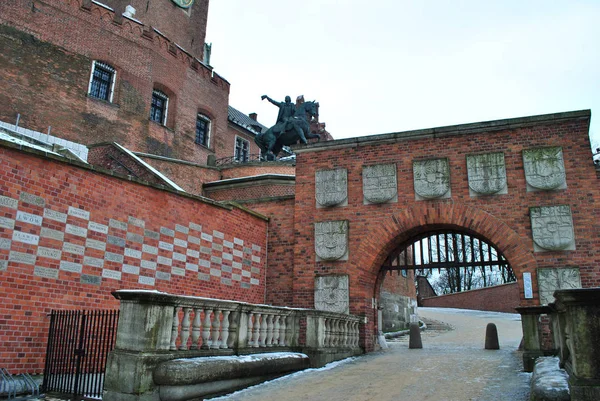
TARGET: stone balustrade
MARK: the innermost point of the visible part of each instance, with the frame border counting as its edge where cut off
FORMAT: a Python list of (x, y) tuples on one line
[(157, 327)]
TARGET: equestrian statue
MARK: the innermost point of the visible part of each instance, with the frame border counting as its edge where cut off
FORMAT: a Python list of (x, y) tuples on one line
[(293, 125)]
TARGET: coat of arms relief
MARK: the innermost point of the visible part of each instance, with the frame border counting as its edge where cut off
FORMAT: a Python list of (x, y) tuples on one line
[(544, 169), (431, 179), (550, 280), (331, 293), (552, 228), (331, 240), (487, 174), (331, 188), (380, 184)]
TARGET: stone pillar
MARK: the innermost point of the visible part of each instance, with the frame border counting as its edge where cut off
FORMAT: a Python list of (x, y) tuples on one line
[(579, 321), (532, 346)]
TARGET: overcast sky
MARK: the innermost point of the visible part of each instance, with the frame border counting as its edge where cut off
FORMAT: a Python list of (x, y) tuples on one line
[(385, 66)]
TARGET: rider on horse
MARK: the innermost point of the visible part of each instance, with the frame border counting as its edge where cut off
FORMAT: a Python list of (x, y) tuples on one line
[(286, 111)]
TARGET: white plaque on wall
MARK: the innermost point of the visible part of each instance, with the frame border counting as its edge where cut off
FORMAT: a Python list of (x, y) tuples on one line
[(487, 174), (544, 169), (552, 228), (331, 240), (550, 280), (528, 288), (431, 179), (380, 184), (331, 293), (331, 187)]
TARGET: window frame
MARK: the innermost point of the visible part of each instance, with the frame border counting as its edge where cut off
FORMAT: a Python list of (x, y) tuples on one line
[(235, 150), (208, 130), (165, 109), (113, 79)]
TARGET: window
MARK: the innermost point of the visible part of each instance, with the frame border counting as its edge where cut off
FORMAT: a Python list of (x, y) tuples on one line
[(242, 148), (202, 129), (159, 107), (102, 81)]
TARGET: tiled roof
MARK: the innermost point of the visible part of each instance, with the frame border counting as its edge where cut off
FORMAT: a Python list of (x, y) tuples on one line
[(244, 121)]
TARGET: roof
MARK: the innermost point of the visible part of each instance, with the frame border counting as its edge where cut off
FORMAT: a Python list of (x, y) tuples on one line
[(244, 121)]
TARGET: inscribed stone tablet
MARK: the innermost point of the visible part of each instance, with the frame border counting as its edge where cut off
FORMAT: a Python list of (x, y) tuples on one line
[(79, 213), (29, 218), (136, 222), (217, 247), (49, 253), (73, 248), (135, 238), (254, 281), (163, 276), (544, 169), (228, 244), (552, 228), (111, 274), (111, 239), (152, 250), (527, 285), (89, 279), (33, 199), (331, 294), (117, 224), (113, 257), (226, 281), (246, 273), (177, 271), (167, 231), (203, 276), (256, 259), (218, 234), (236, 277), (165, 245), (76, 230), (131, 269), (216, 260), (147, 264), (206, 250), (206, 237), (380, 184), (487, 174), (331, 187), (179, 257), (133, 253), (256, 248), (226, 268), (54, 215), (193, 240), (5, 222), (238, 253), (146, 280), (192, 253), (45, 272), (53, 234), (151, 234), (8, 202), (227, 256), (94, 262), (180, 242), (95, 244), (3, 265), (331, 240), (431, 179), (182, 229), (191, 266), (195, 226), (100, 228), (550, 280), (238, 241), (236, 265), (70, 266), (164, 261), (25, 238), (245, 285), (215, 272), (5, 243), (255, 270), (204, 263)]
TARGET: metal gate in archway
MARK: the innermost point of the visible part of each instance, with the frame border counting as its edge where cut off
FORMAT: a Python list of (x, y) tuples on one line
[(78, 347), (452, 250)]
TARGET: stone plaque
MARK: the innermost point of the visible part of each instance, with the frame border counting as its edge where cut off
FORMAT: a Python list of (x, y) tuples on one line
[(218, 234), (204, 263), (33, 199), (45, 272), (164, 261), (544, 169), (54, 215), (79, 213), (49, 253), (3, 265), (163, 276), (236, 277), (146, 280), (136, 222), (215, 272), (228, 244), (227, 269), (226, 281), (179, 257), (256, 259), (245, 285), (95, 244), (182, 229), (73, 248), (111, 274), (94, 262), (246, 273), (89, 279), (111, 239), (206, 237), (70, 266), (254, 281), (550, 280), (191, 266), (193, 240), (21, 257), (238, 241), (135, 238), (227, 256), (177, 271), (206, 250), (236, 265), (99, 228), (192, 253), (131, 269), (76, 230), (180, 242), (255, 270), (165, 245), (29, 218), (217, 247), (431, 178), (527, 285), (203, 276), (151, 234), (167, 231), (380, 184), (8, 202), (25, 238), (147, 264), (552, 228), (331, 240), (119, 225), (5, 222), (487, 174), (152, 250), (133, 253), (53, 234), (196, 227), (5, 243), (216, 260), (331, 187), (113, 257), (256, 248), (331, 294)]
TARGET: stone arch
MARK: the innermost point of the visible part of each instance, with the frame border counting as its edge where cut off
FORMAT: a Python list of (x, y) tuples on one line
[(400, 227)]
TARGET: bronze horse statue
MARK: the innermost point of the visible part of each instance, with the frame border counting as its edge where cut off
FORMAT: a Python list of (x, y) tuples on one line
[(297, 128)]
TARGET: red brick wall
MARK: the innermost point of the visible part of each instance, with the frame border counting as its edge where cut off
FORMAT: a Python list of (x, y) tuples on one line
[(375, 230), (47, 52), (500, 298), (64, 226), (248, 170), (252, 191), (399, 285)]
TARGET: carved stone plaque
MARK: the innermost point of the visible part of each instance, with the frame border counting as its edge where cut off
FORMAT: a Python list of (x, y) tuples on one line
[(331, 187), (331, 240), (544, 169), (379, 183), (487, 173), (431, 178), (552, 228), (550, 280), (331, 294)]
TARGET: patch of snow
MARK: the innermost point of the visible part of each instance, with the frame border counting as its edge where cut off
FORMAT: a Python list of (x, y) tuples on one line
[(241, 358)]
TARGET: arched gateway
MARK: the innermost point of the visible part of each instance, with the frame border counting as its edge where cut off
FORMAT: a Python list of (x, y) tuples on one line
[(527, 186)]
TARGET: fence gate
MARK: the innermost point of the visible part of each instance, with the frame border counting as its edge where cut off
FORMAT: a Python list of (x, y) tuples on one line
[(78, 345)]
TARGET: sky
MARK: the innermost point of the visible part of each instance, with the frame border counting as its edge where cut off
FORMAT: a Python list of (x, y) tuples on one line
[(384, 66)]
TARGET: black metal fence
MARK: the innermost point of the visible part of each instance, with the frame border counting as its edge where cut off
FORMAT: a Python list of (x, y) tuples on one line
[(78, 346)]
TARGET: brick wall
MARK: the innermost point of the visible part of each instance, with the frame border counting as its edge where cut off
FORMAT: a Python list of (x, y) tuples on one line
[(251, 192), (248, 170), (375, 230), (500, 298), (69, 235), (48, 48)]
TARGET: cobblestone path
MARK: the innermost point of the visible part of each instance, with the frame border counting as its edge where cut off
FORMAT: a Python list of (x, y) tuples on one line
[(452, 366)]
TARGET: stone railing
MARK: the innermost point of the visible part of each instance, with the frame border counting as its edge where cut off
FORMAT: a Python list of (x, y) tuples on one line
[(156, 327)]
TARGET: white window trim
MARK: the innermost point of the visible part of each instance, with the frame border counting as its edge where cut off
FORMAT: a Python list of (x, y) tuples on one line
[(209, 133), (114, 78), (163, 95), (235, 143)]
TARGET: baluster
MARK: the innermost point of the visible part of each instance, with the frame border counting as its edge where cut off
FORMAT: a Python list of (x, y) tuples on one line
[(184, 334), (334, 333), (233, 329), (356, 334), (196, 328), (249, 341), (289, 335), (269, 340), (283, 332), (347, 333), (216, 323), (276, 331), (255, 335), (225, 329), (327, 336), (206, 329), (263, 332), (174, 329), (296, 337)]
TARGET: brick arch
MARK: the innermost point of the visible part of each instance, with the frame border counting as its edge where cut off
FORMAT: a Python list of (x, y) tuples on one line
[(384, 237)]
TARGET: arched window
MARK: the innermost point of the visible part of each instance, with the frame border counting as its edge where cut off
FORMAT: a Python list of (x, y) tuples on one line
[(203, 126), (159, 107), (102, 81)]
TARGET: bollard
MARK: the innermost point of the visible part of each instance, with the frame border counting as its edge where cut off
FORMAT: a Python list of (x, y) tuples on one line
[(415, 336), (491, 337)]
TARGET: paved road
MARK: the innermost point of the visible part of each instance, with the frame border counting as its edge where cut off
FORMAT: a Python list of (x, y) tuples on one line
[(452, 366)]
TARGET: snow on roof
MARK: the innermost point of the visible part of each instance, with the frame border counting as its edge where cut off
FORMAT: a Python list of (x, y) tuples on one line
[(8, 138)]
